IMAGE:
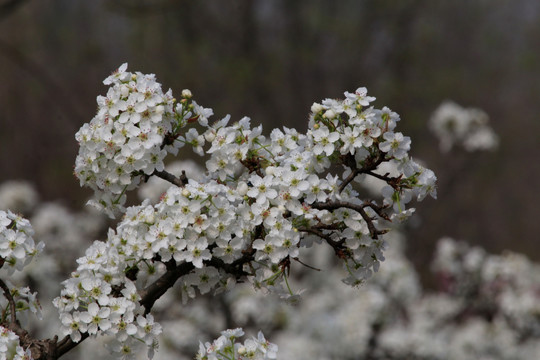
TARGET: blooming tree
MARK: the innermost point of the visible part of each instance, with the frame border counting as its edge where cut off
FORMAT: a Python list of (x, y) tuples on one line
[(261, 199), (465, 127)]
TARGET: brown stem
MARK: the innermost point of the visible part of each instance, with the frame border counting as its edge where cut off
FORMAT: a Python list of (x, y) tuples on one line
[(65, 345), (349, 178), (336, 245), (334, 205), (178, 181), (11, 302), (370, 164), (152, 293)]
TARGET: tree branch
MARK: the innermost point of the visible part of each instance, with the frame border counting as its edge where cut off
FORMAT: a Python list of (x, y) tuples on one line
[(334, 205), (154, 291), (11, 302), (178, 181), (336, 245), (370, 164)]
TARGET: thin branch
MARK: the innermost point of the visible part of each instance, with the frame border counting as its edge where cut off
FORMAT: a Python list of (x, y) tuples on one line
[(11, 302), (66, 344), (349, 178), (152, 293), (372, 230), (306, 265), (178, 181), (370, 164), (334, 205), (336, 245)]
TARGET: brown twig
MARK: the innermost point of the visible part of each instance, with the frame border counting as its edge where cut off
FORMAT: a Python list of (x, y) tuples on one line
[(11, 302), (336, 245), (152, 293), (370, 164), (360, 208), (178, 181)]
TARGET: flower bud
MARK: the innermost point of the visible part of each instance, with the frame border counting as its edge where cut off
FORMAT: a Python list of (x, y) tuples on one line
[(185, 192), (210, 135), (316, 107), (329, 114), (186, 93), (242, 188)]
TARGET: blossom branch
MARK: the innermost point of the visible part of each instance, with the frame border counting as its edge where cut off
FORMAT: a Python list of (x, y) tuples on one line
[(178, 181), (360, 208), (153, 292), (336, 245), (65, 345), (370, 164)]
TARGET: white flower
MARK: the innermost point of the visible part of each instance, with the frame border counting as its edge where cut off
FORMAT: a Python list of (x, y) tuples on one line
[(359, 96), (96, 318), (196, 252), (262, 188), (396, 144), (73, 325), (324, 141), (148, 329), (351, 140)]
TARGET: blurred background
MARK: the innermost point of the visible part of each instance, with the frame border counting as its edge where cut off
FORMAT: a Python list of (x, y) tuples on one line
[(270, 60)]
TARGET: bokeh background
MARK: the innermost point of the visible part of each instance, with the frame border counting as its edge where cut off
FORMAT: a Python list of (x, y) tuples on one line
[(270, 60)]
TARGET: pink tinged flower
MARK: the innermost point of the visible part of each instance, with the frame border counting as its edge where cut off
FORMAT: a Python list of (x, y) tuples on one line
[(118, 75), (360, 96)]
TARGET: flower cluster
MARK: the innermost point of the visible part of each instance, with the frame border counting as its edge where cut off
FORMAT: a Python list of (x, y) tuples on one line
[(466, 127), (504, 287), (9, 346), (105, 303), (18, 196), (261, 200), (17, 247), (136, 126), (225, 347)]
